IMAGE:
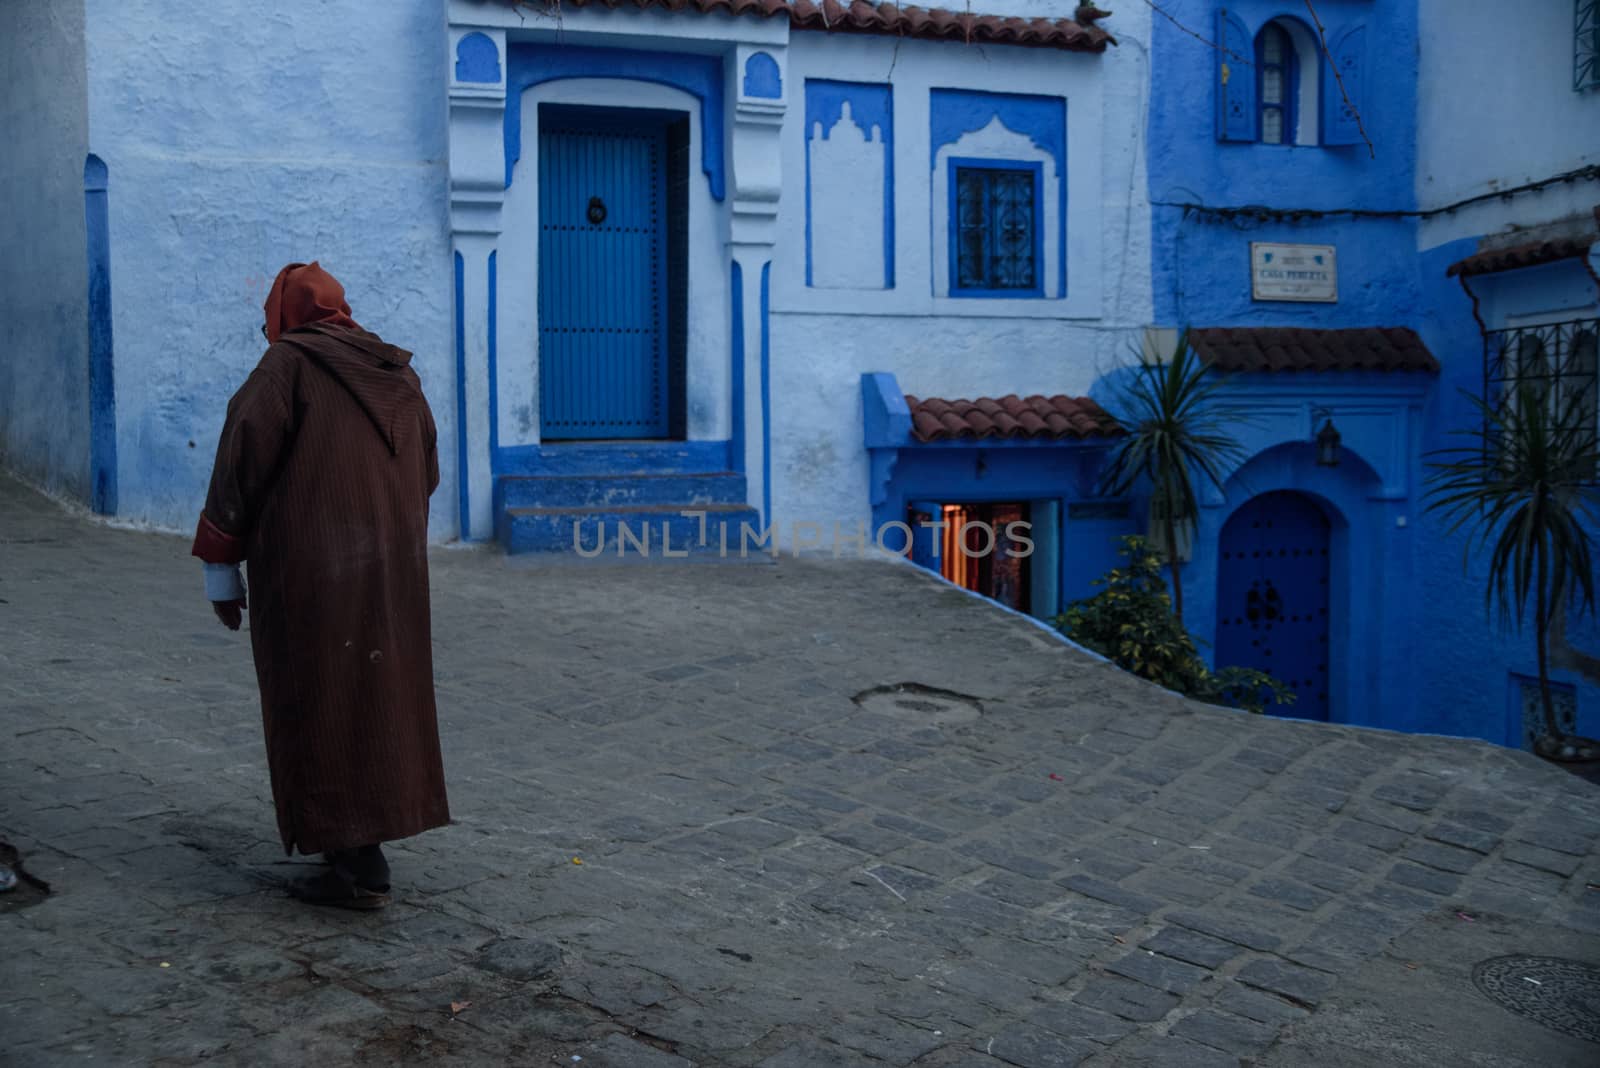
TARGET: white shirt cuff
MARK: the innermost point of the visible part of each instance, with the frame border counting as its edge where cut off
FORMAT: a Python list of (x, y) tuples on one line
[(224, 583)]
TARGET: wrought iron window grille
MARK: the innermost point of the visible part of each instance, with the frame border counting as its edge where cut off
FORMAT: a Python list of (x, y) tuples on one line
[(1560, 366), (996, 229), (1586, 45)]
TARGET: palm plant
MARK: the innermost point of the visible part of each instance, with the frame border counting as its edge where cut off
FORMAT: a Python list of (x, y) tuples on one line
[(1526, 484), (1173, 432)]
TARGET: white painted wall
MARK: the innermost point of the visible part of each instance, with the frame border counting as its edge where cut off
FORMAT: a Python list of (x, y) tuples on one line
[(847, 166), (1495, 109), (240, 140), (44, 341), (257, 136), (823, 339)]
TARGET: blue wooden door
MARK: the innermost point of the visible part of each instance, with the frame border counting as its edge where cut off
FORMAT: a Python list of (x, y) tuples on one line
[(602, 267), (1272, 597)]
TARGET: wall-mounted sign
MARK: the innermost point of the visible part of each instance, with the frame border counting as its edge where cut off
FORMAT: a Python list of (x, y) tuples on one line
[(1293, 272)]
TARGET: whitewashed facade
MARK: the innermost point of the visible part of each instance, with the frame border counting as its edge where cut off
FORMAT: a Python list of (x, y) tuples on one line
[(812, 242), (836, 219)]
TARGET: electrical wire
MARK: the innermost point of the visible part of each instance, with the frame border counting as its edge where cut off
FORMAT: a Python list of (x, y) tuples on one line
[(1264, 213)]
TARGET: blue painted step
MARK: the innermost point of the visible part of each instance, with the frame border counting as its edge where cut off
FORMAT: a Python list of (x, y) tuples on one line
[(590, 458), (618, 491), (657, 531)]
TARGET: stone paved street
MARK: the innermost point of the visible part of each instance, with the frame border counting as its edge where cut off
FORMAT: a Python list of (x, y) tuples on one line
[(1024, 858)]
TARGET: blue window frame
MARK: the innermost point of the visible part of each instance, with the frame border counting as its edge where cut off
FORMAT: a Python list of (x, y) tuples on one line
[(996, 234), (1277, 85)]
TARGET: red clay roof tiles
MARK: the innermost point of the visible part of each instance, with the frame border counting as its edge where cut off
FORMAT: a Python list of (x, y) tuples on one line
[(1011, 416), (1529, 255), (860, 16), (1271, 348)]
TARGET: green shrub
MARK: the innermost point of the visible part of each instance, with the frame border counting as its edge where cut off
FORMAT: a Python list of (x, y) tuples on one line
[(1130, 622)]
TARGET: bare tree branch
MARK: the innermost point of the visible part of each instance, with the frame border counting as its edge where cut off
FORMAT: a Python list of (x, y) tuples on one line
[(1230, 53), (1322, 38)]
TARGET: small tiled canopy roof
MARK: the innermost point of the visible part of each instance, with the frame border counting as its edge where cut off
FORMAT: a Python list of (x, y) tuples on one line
[(1529, 255), (1269, 348), (1079, 34), (1011, 416)]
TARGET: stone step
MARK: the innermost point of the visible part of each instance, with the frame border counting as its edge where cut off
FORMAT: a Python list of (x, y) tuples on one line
[(588, 458), (651, 531), (618, 491)]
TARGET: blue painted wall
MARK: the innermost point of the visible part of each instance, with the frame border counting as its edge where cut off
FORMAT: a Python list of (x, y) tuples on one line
[(1470, 655), (1201, 268), (102, 366), (44, 359), (1201, 277), (1412, 637), (1474, 138)]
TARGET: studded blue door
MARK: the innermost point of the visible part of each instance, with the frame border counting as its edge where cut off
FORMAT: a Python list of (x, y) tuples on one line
[(602, 266), (1272, 597)]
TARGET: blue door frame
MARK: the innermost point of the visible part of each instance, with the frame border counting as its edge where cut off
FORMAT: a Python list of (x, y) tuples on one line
[(1273, 597), (603, 266)]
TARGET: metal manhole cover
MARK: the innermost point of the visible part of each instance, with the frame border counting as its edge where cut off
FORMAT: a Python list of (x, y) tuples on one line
[(915, 702), (1564, 995)]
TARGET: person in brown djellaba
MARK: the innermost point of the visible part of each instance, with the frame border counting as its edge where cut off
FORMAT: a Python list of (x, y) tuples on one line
[(321, 484)]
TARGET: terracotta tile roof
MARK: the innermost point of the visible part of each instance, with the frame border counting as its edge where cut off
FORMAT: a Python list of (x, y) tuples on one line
[(1011, 416), (1530, 255), (1078, 34), (1272, 348)]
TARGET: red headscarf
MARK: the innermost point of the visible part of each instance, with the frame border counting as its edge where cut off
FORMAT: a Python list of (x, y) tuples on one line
[(304, 293)]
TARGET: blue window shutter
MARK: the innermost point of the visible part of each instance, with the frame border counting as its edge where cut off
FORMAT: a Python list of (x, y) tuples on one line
[(1236, 81), (1347, 49)]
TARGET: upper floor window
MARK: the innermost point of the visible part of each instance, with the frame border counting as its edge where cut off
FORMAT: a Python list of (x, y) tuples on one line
[(994, 230), (1277, 84), (1553, 365), (1586, 46), (998, 198)]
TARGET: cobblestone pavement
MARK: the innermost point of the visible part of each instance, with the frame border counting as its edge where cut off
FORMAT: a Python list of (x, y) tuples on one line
[(1064, 866)]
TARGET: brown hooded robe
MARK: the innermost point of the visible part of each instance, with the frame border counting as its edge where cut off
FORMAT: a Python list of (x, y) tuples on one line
[(321, 484)]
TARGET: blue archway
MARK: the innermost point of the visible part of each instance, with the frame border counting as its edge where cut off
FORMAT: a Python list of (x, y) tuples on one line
[(1368, 555), (699, 76)]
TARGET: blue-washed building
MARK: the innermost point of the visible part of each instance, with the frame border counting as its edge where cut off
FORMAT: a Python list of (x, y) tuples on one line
[(644, 253), (1335, 174), (729, 275), (1507, 272)]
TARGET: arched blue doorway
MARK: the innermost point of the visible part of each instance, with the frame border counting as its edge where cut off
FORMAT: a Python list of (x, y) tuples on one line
[(1273, 596)]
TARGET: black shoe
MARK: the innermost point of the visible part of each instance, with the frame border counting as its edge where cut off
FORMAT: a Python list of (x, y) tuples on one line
[(334, 888), (366, 866), (355, 879)]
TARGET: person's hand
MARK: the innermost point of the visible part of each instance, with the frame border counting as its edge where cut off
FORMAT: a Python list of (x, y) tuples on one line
[(231, 613)]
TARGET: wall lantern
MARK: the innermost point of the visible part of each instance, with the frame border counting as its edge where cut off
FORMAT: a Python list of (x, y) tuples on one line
[(1327, 439)]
